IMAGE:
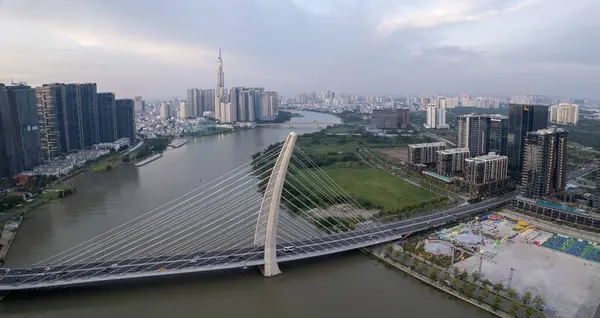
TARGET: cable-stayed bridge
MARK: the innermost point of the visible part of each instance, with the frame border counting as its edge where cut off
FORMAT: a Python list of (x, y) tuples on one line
[(280, 207)]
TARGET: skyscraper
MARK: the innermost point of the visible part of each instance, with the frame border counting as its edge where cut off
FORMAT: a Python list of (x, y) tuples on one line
[(521, 120), (125, 119), (107, 113), (270, 105), (565, 114), (498, 135), (207, 97), (165, 111), (139, 105), (544, 162), (431, 114), (239, 110), (473, 133), (194, 101), (71, 137), (8, 151), (22, 103), (219, 91), (89, 111), (50, 102)]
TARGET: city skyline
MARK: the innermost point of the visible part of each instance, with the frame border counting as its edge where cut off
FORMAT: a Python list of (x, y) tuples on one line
[(386, 49)]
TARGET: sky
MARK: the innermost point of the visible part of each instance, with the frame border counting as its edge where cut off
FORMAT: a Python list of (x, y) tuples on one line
[(159, 48)]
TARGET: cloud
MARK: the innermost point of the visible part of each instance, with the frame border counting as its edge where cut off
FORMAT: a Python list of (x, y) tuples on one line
[(356, 46), (439, 13)]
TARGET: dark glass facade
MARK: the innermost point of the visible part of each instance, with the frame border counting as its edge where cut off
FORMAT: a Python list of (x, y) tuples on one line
[(521, 120), (89, 113), (125, 119), (71, 137), (498, 135), (22, 102), (107, 116)]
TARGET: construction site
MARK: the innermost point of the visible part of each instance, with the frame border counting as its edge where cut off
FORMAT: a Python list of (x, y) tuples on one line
[(563, 270)]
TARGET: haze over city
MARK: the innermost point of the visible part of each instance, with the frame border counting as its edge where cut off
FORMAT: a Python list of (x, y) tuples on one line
[(363, 47)]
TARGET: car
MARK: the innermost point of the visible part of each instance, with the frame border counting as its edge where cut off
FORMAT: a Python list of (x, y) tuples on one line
[(47, 268), (289, 248), (114, 265)]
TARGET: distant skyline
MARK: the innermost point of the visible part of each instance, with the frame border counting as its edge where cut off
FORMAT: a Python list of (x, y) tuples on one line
[(376, 47)]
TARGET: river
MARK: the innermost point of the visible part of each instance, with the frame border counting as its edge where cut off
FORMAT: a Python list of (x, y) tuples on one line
[(348, 285)]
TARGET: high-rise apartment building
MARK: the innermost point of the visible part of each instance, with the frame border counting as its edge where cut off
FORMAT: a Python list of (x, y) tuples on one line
[(483, 134), (544, 162), (165, 111), (194, 101), (139, 104), (207, 101), (485, 169), (88, 95), (564, 114), (431, 116), (5, 133), (473, 133), (441, 106), (521, 120), (71, 138), (270, 104), (498, 135), (23, 108), (424, 153), (125, 119), (390, 118), (50, 102), (451, 161), (107, 114)]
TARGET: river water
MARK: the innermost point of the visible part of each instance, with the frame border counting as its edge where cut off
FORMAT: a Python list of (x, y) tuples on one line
[(348, 285)]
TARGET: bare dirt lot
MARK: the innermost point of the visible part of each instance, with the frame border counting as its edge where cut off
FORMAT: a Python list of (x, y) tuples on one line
[(394, 154), (569, 285)]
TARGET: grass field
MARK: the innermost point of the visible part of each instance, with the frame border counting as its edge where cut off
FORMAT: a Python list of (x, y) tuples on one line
[(378, 186)]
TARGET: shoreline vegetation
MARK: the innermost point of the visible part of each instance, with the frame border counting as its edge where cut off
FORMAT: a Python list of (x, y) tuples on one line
[(379, 193)]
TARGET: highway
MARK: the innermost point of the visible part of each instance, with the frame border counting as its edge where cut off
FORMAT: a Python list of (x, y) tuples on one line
[(63, 274)]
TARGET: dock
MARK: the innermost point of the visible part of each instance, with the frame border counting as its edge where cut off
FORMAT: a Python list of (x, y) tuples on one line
[(176, 143), (7, 236), (148, 160)]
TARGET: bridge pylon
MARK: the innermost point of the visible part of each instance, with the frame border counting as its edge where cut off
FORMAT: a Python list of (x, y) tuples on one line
[(266, 232)]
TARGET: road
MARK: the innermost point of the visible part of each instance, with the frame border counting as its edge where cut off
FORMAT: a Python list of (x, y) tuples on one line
[(25, 278)]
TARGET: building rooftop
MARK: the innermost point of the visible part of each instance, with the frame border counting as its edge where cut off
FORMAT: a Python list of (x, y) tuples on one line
[(548, 131), (453, 151), (428, 144), (489, 157)]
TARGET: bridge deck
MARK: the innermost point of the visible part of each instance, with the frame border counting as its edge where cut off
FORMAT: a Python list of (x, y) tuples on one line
[(89, 273)]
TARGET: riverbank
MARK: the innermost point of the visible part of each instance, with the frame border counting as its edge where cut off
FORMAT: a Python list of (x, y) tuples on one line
[(454, 286), (7, 236), (176, 143), (148, 160)]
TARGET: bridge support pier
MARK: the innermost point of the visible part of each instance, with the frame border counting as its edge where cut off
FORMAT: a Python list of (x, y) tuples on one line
[(267, 235)]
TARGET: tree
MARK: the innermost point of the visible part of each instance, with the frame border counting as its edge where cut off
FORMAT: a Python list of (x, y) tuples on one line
[(496, 303), (511, 292), (456, 272), (539, 302), (486, 283), (464, 275), (485, 293), (526, 297), (475, 276), (529, 312), (434, 275), (514, 308), (498, 287)]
